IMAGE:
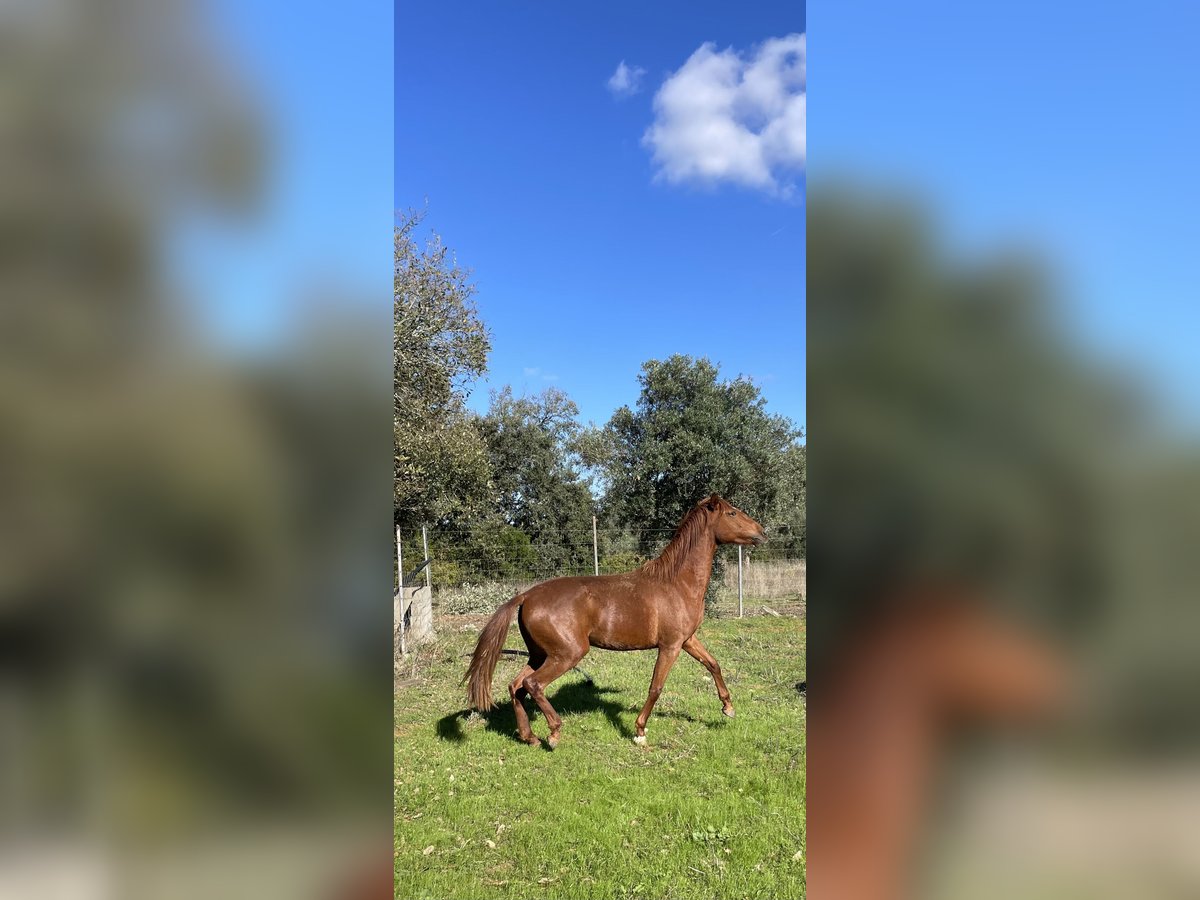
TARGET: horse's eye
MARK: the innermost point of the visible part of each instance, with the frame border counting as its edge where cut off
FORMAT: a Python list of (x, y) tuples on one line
[(731, 514)]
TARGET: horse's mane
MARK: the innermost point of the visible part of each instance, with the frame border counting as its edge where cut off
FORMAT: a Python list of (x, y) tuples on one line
[(687, 535)]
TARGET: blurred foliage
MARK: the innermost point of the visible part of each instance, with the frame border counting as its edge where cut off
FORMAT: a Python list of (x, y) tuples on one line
[(967, 439), (959, 440), (184, 626)]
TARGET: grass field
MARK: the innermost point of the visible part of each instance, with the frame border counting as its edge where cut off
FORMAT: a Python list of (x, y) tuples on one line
[(710, 808)]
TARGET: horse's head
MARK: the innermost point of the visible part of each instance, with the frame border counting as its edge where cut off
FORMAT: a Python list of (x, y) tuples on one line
[(731, 525)]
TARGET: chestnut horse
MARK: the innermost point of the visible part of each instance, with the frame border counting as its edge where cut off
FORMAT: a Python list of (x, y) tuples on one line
[(659, 605)]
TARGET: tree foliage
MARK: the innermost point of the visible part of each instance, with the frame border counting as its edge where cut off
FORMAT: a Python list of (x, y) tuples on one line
[(690, 434), (529, 443), (786, 512), (440, 346), (508, 492)]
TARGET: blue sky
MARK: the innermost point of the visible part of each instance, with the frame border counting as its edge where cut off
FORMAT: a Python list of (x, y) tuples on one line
[(1049, 125), (319, 78), (534, 171), (1059, 127)]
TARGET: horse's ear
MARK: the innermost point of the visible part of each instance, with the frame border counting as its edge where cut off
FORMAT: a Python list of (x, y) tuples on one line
[(713, 501)]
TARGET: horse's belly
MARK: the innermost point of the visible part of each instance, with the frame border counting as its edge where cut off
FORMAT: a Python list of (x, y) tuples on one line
[(620, 642), (619, 628)]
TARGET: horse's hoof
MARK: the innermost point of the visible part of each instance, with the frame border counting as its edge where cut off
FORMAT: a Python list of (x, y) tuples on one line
[(729, 712), (552, 741), (640, 740), (534, 742)]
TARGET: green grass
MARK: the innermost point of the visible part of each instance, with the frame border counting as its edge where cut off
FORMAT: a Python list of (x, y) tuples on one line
[(710, 808)]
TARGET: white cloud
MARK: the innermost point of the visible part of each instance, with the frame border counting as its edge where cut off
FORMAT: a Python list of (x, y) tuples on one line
[(726, 116), (626, 81), (536, 372)]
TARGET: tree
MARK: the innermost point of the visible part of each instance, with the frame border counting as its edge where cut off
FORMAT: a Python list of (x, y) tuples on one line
[(690, 435), (529, 443), (440, 346), (786, 514)]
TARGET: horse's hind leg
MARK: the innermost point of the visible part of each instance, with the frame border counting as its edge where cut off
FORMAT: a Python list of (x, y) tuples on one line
[(537, 683), (517, 691)]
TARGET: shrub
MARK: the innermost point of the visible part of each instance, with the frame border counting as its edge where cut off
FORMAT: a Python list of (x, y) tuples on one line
[(447, 573), (625, 561), (474, 599)]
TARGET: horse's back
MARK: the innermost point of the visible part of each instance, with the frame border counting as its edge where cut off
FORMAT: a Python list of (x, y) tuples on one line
[(559, 599), (608, 611)]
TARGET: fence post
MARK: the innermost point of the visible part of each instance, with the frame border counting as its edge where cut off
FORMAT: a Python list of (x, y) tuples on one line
[(595, 547), (399, 603), (428, 563), (740, 612)]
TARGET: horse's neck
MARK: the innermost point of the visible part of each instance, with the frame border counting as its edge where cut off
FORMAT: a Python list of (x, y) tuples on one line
[(686, 563), (695, 569)]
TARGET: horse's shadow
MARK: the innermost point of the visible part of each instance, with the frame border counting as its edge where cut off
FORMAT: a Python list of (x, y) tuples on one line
[(576, 697)]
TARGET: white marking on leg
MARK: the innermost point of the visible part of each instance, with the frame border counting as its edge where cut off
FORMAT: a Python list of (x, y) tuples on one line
[(639, 739)]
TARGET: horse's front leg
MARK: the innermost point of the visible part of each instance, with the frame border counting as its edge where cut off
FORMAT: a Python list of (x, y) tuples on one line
[(666, 659), (698, 651)]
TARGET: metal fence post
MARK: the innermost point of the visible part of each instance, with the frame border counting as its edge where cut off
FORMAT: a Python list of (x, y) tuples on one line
[(428, 563), (399, 604), (595, 547), (740, 611)]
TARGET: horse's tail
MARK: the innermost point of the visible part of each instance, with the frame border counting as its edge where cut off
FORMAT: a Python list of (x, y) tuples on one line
[(487, 652)]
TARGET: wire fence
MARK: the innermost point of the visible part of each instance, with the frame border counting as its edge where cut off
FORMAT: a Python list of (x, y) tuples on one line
[(473, 572)]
